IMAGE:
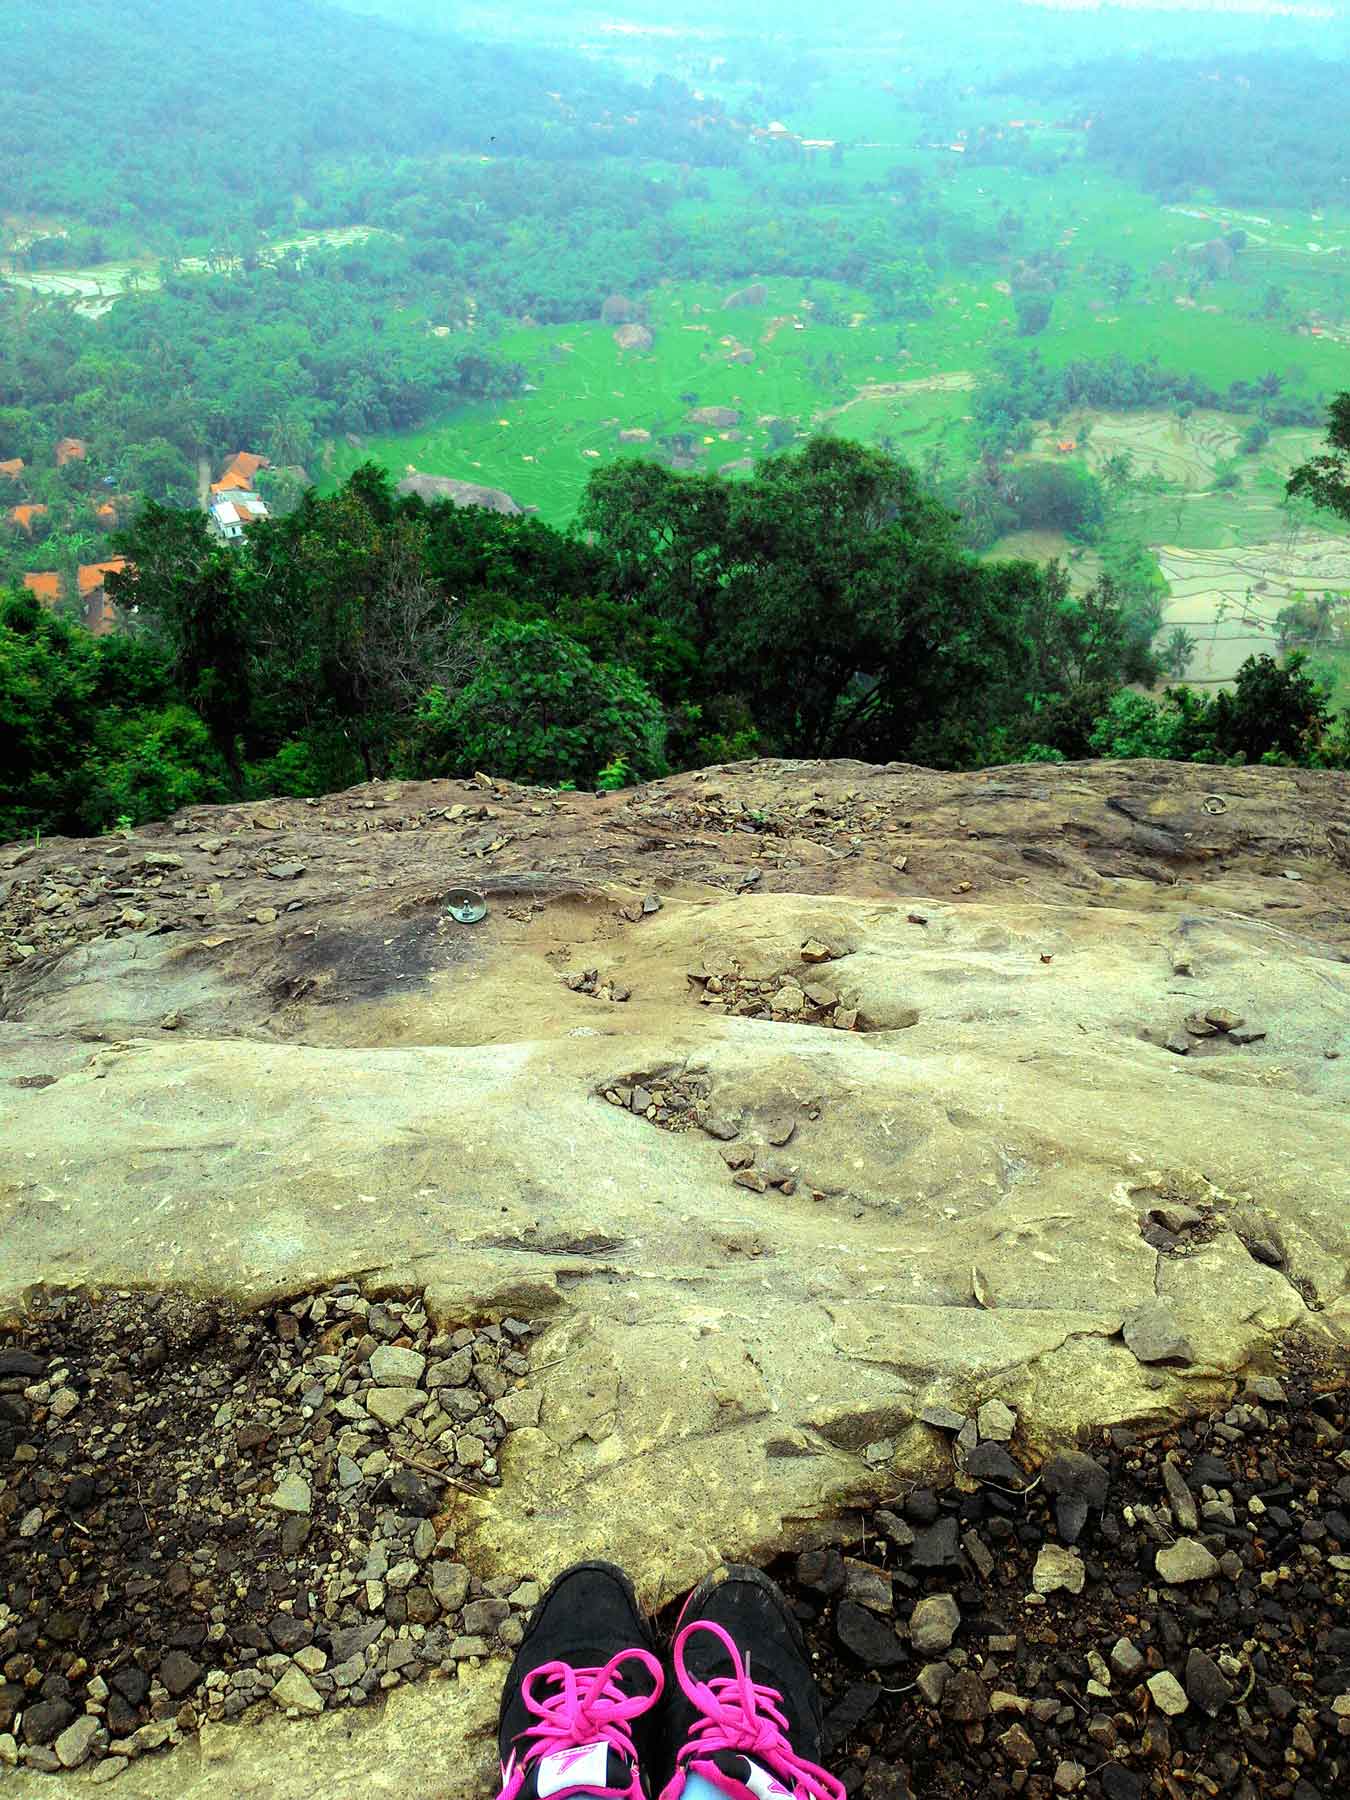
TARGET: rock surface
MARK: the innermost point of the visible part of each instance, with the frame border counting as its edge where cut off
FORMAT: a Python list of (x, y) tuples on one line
[(961, 1119), (462, 493)]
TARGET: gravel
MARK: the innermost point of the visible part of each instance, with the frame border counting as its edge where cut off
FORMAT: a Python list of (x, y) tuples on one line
[(1232, 1683), (202, 1510)]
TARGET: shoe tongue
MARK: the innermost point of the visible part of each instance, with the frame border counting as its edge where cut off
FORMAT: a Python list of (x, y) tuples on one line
[(580, 1769), (741, 1777)]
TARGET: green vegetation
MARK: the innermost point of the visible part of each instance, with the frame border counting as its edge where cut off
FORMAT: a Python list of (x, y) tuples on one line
[(824, 607), (795, 353)]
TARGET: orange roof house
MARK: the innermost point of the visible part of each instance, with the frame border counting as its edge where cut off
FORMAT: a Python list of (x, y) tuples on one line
[(240, 472), (71, 450), (93, 575), (100, 615), (23, 516), (13, 468), (46, 586)]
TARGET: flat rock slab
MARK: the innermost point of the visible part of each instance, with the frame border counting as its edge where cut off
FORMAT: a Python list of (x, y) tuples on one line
[(965, 1207)]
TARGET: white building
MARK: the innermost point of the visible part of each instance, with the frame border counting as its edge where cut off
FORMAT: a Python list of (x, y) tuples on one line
[(231, 514)]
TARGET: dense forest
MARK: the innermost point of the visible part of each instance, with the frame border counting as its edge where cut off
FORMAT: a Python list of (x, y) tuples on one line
[(1252, 130), (824, 608)]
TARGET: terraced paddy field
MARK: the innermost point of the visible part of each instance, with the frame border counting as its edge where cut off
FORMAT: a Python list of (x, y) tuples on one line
[(94, 290), (1229, 599)]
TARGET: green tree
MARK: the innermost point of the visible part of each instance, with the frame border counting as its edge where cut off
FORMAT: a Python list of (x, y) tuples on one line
[(539, 709), (1325, 480), (1032, 311)]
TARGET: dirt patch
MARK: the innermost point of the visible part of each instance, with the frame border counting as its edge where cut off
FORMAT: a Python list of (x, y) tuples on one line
[(1080, 1661), (204, 1508)]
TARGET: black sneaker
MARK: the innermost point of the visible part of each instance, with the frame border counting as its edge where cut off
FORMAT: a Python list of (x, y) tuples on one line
[(744, 1712), (584, 1676)]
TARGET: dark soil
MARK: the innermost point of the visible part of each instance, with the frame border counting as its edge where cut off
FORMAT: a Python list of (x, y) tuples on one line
[(1037, 1696)]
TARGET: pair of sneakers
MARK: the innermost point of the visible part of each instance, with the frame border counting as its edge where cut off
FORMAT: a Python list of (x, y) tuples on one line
[(592, 1707)]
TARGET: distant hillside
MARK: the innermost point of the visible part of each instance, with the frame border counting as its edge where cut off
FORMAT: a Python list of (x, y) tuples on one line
[(174, 114)]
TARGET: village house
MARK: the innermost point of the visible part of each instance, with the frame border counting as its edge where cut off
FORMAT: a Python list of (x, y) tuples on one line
[(100, 615), (13, 469), (235, 503), (46, 586), (71, 450), (230, 515), (241, 472), (21, 517)]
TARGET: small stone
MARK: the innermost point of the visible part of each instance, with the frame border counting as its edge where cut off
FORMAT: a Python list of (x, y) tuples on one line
[(991, 1462), (1122, 1784), (966, 1700), (934, 1623), (1126, 1660), (1180, 1498), (1186, 1560), (461, 1648), (897, 1530), (868, 1585), (1153, 1335), (942, 1418), (813, 951), (484, 1616), (392, 1405), (865, 1636), (821, 1571), (1069, 1777), (996, 1421), (932, 1682), (450, 1585), (1223, 1018), (1199, 1026), (1057, 1568), (1018, 1747), (179, 1673), (1206, 1685), (291, 1495), (77, 1741), (1168, 1694), (393, 1367), (1267, 1389), (779, 1131), (937, 1547), (295, 1690)]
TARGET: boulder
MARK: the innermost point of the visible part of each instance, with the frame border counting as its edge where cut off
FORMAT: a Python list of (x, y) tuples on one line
[(432, 488), (635, 434), (633, 337)]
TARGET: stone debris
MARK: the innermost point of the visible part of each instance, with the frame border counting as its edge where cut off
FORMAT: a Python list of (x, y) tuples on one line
[(1238, 1688), (791, 998), (1057, 1568), (233, 1521)]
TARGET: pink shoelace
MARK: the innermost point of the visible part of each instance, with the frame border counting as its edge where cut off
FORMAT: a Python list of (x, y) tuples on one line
[(741, 1715), (587, 1707)]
